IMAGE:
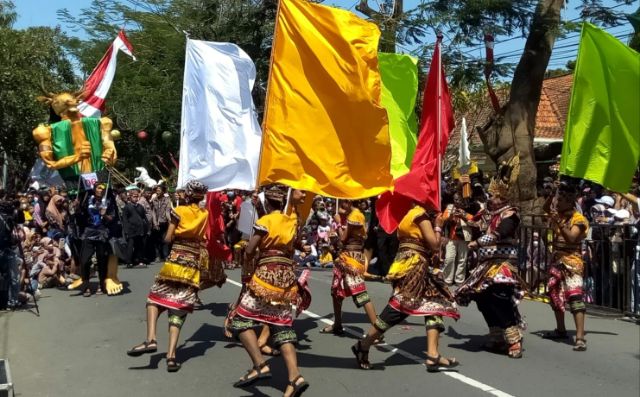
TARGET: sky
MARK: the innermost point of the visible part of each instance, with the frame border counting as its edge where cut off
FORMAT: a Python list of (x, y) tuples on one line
[(43, 13)]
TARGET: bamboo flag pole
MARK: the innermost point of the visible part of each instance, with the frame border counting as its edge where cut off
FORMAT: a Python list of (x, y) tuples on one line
[(439, 121), (266, 100)]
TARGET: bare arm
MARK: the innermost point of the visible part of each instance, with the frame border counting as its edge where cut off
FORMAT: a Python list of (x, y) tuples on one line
[(572, 234), (252, 246), (430, 237), (632, 199), (171, 230), (547, 204)]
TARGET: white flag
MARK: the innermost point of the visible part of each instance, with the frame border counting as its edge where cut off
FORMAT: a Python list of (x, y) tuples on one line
[(220, 135), (464, 155)]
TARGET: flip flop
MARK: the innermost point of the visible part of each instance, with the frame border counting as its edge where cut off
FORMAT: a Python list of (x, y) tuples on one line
[(246, 380)]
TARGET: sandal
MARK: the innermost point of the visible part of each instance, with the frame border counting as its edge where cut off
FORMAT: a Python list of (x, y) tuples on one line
[(298, 388), (437, 365), (555, 335), (247, 380), (362, 356), (172, 365), (331, 329), (269, 351), (515, 350), (145, 347), (580, 345)]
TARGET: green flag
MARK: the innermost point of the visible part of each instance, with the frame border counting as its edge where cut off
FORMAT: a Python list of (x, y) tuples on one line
[(602, 139), (399, 75)]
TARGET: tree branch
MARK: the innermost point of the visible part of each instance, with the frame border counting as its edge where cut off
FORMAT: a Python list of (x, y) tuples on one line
[(364, 8)]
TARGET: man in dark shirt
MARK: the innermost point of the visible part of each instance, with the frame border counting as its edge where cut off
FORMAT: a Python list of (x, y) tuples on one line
[(135, 227), (99, 215)]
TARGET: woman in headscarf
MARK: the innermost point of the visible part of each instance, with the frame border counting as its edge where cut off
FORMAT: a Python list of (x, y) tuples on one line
[(57, 217), (271, 292), (178, 281), (39, 211)]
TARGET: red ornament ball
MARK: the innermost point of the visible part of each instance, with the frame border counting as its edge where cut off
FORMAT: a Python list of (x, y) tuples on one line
[(142, 135)]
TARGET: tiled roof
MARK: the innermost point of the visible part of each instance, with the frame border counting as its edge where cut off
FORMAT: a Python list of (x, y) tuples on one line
[(551, 118), (554, 107)]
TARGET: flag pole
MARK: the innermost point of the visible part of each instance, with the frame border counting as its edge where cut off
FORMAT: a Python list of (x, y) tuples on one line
[(439, 121), (266, 99)]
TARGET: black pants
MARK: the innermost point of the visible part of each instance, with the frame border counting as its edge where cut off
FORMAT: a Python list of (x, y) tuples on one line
[(161, 249), (101, 249), (498, 308), (136, 245), (387, 249)]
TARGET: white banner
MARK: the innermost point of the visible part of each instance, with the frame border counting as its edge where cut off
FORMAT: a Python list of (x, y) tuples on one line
[(220, 135), (89, 180)]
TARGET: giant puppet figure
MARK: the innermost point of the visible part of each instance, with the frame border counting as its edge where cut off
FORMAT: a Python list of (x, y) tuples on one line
[(77, 145), (74, 145)]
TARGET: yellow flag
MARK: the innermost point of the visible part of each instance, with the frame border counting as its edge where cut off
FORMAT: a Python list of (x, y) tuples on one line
[(325, 130)]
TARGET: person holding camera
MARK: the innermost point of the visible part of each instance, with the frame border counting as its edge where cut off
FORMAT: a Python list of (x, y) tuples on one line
[(9, 260)]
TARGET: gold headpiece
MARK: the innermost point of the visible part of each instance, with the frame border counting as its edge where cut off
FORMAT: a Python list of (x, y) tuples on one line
[(505, 178), (276, 193)]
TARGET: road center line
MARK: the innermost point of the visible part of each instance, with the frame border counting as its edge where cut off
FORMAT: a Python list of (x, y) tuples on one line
[(392, 349)]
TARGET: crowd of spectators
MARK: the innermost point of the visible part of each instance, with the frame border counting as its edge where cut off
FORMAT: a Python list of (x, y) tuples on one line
[(51, 237)]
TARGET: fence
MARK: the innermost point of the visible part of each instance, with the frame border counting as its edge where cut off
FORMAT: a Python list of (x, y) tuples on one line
[(612, 263)]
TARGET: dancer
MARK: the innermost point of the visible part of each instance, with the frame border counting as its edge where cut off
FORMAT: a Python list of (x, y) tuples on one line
[(418, 289), (270, 294), (178, 281), (494, 284), (349, 268), (566, 271)]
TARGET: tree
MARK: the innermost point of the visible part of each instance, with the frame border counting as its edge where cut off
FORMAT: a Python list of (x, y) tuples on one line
[(465, 23), (27, 59)]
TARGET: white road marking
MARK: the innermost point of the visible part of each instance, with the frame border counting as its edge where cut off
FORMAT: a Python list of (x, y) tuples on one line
[(390, 348)]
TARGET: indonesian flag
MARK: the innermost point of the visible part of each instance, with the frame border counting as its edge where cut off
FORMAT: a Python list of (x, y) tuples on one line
[(97, 85)]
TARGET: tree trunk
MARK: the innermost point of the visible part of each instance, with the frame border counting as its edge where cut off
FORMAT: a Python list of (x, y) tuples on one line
[(512, 131), (388, 24)]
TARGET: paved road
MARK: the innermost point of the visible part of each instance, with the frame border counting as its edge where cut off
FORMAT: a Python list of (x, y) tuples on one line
[(77, 348)]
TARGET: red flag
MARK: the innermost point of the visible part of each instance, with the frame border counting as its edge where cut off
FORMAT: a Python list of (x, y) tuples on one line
[(422, 183), (215, 229), (488, 69)]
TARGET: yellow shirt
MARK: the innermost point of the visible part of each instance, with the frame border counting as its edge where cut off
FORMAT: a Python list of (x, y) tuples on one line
[(325, 258), (280, 231), (560, 244), (27, 216), (192, 221), (408, 227)]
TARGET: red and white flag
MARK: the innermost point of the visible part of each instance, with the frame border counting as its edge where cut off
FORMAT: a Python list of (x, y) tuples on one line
[(97, 85)]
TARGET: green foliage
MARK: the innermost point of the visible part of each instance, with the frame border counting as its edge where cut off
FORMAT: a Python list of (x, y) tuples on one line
[(27, 57), (465, 22)]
